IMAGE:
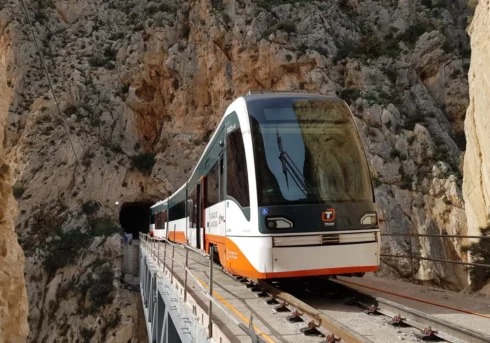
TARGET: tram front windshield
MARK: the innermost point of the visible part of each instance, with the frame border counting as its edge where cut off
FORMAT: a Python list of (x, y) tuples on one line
[(307, 151)]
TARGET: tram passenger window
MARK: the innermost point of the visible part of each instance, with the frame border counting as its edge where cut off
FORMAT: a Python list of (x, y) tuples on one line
[(212, 186), (221, 179), (236, 169)]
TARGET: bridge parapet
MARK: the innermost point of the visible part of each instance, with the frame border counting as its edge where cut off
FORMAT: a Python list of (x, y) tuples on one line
[(175, 312)]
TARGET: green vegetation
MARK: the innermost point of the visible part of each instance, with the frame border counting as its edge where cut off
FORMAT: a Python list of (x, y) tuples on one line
[(111, 323), (87, 334), (286, 26), (101, 287), (143, 162), (406, 180), (87, 158), (480, 253), (70, 109), (65, 248), (412, 34), (18, 191), (63, 251), (107, 60), (472, 3), (371, 46), (413, 119), (460, 139), (90, 207), (269, 4), (348, 95), (104, 226)]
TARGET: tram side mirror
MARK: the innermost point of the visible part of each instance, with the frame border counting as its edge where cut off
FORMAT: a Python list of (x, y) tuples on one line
[(221, 143)]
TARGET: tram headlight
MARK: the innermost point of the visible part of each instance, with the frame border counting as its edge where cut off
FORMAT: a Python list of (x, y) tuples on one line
[(369, 219), (278, 223)]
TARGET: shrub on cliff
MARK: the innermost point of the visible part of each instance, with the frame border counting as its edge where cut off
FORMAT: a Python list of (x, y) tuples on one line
[(480, 253), (18, 191), (64, 250), (104, 227), (101, 287), (143, 162)]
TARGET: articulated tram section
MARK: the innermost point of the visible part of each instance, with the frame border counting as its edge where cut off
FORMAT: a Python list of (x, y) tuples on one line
[(187, 298)]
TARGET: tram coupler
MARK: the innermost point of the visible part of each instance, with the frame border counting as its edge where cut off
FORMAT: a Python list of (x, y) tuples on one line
[(331, 339), (351, 301), (295, 317), (271, 301), (428, 335), (372, 310), (281, 308), (398, 321), (311, 330)]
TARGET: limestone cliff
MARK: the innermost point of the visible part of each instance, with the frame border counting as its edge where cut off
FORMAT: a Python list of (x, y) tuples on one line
[(142, 84), (476, 186), (13, 296)]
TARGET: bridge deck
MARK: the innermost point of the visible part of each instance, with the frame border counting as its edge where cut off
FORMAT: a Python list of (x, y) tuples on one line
[(234, 297)]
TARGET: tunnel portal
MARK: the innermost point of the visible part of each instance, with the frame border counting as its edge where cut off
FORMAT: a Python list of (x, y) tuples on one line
[(135, 217)]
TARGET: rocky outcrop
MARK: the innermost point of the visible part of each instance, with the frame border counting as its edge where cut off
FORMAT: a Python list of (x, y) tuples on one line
[(476, 186), (142, 84), (13, 297)]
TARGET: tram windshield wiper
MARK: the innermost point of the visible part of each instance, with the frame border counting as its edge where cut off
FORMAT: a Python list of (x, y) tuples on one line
[(282, 157), (288, 165)]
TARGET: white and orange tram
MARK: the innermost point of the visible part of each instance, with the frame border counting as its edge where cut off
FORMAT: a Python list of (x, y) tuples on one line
[(282, 189)]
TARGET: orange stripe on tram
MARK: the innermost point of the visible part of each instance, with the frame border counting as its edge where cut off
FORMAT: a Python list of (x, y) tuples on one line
[(240, 265), (177, 236)]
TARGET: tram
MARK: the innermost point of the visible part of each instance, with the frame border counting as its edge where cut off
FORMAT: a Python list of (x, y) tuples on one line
[(282, 189)]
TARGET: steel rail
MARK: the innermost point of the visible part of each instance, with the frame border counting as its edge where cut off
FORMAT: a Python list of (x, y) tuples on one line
[(417, 319), (324, 321)]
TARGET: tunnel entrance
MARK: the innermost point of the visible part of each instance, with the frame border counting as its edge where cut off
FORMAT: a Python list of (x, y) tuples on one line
[(135, 217)]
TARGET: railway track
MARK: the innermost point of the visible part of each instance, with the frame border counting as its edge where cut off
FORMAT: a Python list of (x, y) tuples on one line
[(322, 305), (299, 295)]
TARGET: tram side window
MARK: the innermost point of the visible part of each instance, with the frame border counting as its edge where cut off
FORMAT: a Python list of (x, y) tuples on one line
[(236, 169), (212, 186), (221, 179), (190, 205), (155, 220), (163, 219), (177, 211)]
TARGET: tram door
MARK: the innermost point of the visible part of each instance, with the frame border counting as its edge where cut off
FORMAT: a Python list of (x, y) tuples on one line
[(198, 217), (222, 202), (194, 208)]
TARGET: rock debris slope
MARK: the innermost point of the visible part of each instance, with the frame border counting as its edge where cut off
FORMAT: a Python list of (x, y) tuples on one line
[(142, 84)]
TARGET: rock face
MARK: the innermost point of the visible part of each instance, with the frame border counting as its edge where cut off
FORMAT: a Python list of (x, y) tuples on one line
[(13, 296), (142, 84), (476, 186)]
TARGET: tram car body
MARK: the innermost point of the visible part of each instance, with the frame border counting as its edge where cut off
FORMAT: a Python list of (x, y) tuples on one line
[(281, 190)]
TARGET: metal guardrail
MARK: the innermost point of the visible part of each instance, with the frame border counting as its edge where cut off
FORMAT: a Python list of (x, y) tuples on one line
[(411, 256), (152, 245)]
